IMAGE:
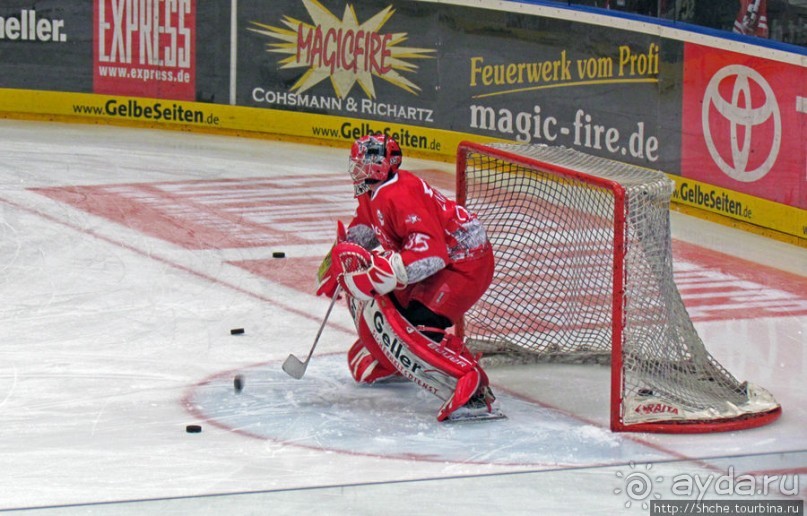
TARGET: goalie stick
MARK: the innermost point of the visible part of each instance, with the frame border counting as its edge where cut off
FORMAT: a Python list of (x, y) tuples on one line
[(295, 367)]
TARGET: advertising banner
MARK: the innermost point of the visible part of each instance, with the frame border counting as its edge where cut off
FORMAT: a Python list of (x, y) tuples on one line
[(145, 48), (411, 65), (728, 126), (369, 61), (606, 92), (744, 120), (45, 45), (212, 51)]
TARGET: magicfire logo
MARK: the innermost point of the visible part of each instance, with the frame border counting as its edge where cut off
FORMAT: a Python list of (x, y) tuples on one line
[(754, 123), (346, 51)]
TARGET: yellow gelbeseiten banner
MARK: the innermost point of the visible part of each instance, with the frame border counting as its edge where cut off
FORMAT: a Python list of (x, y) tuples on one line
[(204, 117), (337, 131), (741, 207)]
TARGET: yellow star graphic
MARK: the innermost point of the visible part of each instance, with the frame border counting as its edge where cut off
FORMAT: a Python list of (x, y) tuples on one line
[(346, 51)]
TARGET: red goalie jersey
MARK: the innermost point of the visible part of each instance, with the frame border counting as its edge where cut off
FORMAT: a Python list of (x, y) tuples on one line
[(434, 236)]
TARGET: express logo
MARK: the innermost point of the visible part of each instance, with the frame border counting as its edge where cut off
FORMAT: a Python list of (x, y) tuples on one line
[(742, 125), (345, 50)]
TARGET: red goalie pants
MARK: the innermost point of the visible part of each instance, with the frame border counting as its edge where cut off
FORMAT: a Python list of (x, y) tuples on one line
[(453, 290)]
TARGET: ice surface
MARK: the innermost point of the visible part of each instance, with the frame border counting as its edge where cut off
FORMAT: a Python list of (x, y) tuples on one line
[(127, 255)]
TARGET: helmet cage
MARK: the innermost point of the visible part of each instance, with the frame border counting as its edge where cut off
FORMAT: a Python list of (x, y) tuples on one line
[(369, 162)]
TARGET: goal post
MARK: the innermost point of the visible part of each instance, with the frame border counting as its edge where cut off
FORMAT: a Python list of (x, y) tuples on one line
[(584, 274)]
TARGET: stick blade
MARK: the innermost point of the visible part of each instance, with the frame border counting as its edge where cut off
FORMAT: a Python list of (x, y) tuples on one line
[(294, 367)]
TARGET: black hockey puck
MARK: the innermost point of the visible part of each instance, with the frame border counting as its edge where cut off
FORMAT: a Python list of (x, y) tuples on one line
[(193, 429), (238, 383), (237, 331), (278, 254)]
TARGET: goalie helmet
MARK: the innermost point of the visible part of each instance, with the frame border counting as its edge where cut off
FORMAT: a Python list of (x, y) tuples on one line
[(372, 159)]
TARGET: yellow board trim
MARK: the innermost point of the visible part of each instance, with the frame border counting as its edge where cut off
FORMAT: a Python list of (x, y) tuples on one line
[(774, 220), (761, 216)]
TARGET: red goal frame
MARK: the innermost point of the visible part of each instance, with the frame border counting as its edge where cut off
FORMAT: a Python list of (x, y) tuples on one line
[(617, 302)]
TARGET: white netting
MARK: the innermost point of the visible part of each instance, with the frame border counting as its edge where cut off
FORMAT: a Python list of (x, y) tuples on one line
[(550, 215)]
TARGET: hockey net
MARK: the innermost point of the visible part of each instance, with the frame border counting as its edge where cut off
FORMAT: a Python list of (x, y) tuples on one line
[(584, 274)]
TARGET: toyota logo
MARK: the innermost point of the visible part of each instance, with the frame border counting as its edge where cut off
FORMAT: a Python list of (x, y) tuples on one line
[(743, 116)]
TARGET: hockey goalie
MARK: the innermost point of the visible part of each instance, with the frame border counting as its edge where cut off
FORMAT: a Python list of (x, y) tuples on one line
[(411, 262)]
